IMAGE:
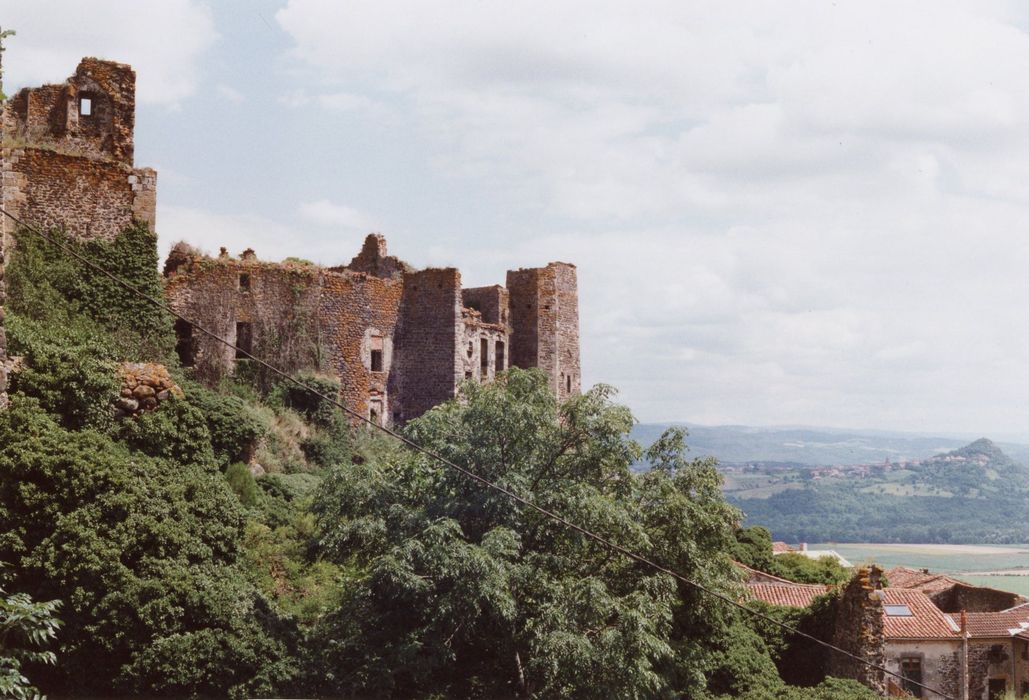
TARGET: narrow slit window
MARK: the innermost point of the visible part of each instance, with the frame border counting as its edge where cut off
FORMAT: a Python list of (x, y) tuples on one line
[(376, 360), (86, 106), (244, 281), (471, 349), (568, 384), (244, 340), (484, 356), (500, 356)]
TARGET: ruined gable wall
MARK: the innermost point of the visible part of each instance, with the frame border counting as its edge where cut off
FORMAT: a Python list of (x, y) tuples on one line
[(491, 302), (974, 599), (427, 367), (358, 314), (53, 115)]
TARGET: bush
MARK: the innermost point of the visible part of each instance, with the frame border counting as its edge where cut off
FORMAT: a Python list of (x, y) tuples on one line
[(177, 430), (329, 446), (145, 553), (233, 426), (67, 367), (306, 402), (242, 483)]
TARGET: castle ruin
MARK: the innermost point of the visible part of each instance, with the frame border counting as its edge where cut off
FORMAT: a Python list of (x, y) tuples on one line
[(400, 340)]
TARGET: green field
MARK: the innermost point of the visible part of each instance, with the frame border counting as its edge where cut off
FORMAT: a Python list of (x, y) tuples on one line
[(957, 560)]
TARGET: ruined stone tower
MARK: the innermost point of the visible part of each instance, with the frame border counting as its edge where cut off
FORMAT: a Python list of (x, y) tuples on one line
[(67, 154), (66, 162)]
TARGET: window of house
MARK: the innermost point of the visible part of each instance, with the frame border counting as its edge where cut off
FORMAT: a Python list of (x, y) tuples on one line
[(997, 689), (500, 356), (471, 349), (897, 610), (244, 281), (484, 356), (86, 106), (468, 374), (185, 344), (376, 360), (911, 671), (244, 340), (568, 384)]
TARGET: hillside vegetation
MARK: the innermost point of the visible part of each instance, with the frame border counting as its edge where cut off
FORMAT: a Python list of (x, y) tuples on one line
[(352, 566)]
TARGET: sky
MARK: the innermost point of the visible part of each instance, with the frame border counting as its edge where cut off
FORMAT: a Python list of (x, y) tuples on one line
[(804, 213)]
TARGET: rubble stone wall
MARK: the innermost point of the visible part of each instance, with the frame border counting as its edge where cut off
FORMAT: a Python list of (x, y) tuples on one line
[(859, 630)]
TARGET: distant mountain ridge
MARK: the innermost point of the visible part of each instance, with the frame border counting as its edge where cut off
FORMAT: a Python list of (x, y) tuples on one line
[(736, 444)]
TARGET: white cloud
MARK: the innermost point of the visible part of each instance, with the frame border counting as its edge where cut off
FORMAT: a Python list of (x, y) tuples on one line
[(163, 41), (323, 212), (231, 94), (811, 213), (270, 239)]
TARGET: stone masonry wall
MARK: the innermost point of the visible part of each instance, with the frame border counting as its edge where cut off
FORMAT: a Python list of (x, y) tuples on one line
[(974, 599), (358, 316), (67, 152), (544, 305), (89, 199), (428, 365), (859, 630), (91, 114), (400, 341)]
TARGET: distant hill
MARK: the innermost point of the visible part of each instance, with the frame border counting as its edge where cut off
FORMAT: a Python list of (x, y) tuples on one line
[(975, 493), (737, 444)]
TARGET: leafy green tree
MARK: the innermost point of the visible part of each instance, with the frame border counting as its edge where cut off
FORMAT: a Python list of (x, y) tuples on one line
[(797, 567), (753, 547), (459, 591), (25, 627)]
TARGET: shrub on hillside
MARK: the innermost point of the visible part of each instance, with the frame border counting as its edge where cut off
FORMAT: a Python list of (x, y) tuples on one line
[(145, 553)]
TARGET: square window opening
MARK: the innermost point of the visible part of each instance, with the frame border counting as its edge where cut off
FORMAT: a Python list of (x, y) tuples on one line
[(86, 106), (244, 281)]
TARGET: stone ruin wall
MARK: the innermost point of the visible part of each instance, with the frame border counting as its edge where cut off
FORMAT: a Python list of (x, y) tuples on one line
[(428, 364), (399, 340), (544, 305), (64, 168), (859, 630), (358, 316)]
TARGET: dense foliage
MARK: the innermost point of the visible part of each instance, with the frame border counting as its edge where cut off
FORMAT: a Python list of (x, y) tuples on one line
[(753, 548)]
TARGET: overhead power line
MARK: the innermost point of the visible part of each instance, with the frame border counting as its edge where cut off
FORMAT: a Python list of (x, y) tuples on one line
[(585, 532)]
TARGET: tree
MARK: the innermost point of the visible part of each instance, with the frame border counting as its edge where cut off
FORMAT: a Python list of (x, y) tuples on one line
[(460, 591), (25, 627)]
